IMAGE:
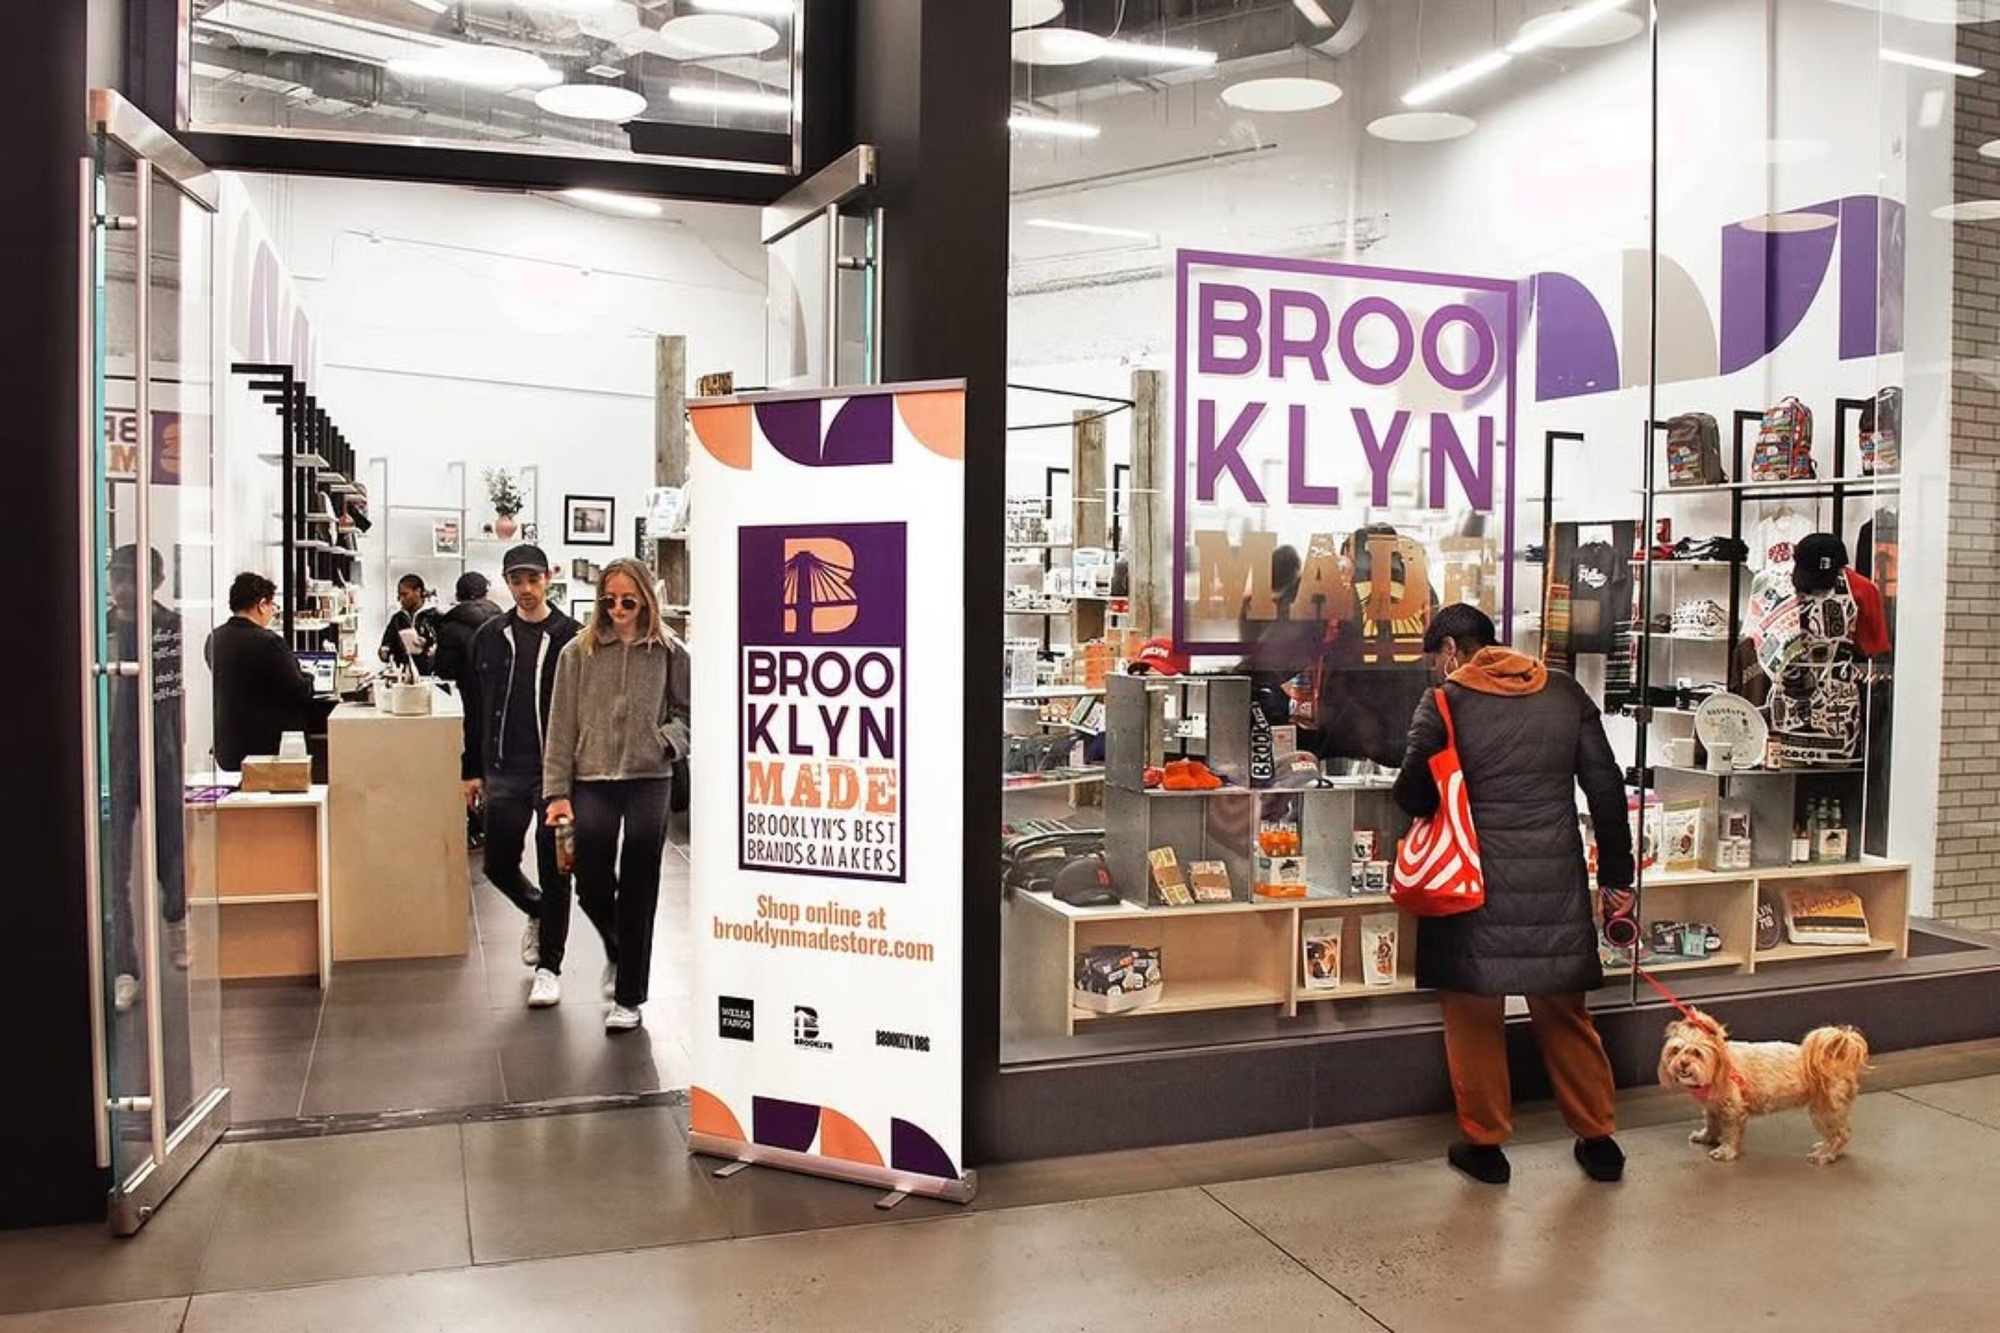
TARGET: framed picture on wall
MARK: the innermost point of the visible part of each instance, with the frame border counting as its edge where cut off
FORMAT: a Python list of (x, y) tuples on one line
[(580, 609), (558, 592), (446, 540), (531, 533), (590, 520)]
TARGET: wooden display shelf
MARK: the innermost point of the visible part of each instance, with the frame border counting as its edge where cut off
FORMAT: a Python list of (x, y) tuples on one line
[(1355, 990), (1715, 962), (272, 873), (1182, 997), (1825, 953)]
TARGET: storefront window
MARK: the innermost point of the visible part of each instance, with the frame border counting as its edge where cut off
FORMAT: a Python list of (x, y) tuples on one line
[(1641, 340), (582, 78)]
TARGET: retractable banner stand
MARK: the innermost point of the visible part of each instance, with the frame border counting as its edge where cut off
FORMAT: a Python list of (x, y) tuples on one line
[(827, 559)]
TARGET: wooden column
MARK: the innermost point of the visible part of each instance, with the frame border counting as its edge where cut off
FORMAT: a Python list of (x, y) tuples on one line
[(1151, 526), (1090, 515), (670, 467)]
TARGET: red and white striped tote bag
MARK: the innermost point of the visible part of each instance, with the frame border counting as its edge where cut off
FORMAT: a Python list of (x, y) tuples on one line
[(1437, 863)]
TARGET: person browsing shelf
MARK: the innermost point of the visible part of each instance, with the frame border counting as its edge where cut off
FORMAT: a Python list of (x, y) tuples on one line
[(410, 637), (618, 723)]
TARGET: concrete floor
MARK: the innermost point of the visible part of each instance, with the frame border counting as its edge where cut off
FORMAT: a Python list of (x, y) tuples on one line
[(601, 1221)]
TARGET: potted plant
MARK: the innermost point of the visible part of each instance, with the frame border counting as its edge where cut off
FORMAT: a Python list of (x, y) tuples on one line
[(504, 493)]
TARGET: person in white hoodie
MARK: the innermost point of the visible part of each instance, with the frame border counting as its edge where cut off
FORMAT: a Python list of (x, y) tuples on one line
[(508, 682), (618, 723)]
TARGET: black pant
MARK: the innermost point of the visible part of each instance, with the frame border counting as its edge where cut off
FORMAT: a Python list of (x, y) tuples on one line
[(513, 800), (169, 847), (620, 890)]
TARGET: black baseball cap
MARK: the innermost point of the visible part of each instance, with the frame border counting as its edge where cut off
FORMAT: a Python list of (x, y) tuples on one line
[(525, 556), (1817, 561), (471, 586)]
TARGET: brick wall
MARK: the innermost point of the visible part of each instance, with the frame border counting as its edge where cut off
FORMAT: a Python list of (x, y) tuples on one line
[(1968, 796)]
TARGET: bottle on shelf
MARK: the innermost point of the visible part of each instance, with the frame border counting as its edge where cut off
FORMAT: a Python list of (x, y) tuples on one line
[(1833, 834), (1802, 843), (1812, 832)]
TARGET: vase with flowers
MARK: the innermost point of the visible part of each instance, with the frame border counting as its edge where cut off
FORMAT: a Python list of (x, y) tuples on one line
[(503, 492)]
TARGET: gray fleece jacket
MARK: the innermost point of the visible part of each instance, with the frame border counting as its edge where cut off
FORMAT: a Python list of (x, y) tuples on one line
[(619, 712)]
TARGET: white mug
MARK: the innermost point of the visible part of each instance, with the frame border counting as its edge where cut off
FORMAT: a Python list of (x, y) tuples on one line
[(1721, 757), (292, 745), (1680, 752)]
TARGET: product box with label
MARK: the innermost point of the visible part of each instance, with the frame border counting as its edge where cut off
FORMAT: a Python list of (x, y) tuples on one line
[(1117, 978), (1280, 876)]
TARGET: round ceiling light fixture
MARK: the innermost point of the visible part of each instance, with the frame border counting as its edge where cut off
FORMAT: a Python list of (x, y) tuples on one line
[(1605, 29), (1034, 13), (1784, 223), (707, 36), (1285, 93), (1057, 46), (590, 101), (481, 65), (1968, 210), (1422, 126)]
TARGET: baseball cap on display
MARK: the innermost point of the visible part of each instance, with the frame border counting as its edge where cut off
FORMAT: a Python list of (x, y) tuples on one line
[(524, 556), (1159, 657), (1298, 770), (1817, 561)]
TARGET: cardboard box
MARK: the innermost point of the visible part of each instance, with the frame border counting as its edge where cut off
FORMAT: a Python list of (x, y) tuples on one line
[(1280, 876), (270, 773)]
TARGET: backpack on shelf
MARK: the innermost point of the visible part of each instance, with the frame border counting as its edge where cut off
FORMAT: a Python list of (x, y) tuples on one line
[(1784, 444), (1882, 433), (1694, 451)]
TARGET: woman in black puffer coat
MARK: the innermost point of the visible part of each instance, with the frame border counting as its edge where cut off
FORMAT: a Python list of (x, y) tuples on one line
[(1527, 739)]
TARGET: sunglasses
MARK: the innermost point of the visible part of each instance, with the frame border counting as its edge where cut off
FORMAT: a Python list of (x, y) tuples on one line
[(621, 603)]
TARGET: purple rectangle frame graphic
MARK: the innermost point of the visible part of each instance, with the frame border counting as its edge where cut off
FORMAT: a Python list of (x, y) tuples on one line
[(1187, 260)]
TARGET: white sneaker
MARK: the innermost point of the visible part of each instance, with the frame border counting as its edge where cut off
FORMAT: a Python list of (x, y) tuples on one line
[(177, 944), (531, 944), (547, 990), (621, 1019), (610, 981), (124, 992)]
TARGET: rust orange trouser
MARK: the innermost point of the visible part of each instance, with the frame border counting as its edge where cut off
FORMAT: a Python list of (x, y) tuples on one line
[(1475, 1044)]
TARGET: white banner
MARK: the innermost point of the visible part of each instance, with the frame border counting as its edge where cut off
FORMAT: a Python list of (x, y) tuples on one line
[(828, 550)]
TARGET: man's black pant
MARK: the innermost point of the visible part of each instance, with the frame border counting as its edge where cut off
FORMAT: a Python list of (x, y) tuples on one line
[(513, 802), (620, 888), (168, 844)]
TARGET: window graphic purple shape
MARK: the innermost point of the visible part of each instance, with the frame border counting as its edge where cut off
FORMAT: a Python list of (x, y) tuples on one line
[(862, 433), (1871, 276), (781, 1124), (1575, 352), (1769, 282)]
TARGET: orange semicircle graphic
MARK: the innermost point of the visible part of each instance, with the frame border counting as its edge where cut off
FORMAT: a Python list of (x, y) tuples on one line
[(708, 1115), (841, 1138), (937, 419), (725, 433)]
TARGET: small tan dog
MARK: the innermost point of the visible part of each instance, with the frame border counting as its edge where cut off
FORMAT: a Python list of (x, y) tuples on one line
[(1734, 1080)]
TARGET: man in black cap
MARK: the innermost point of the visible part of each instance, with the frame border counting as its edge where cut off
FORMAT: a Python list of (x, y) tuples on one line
[(507, 683)]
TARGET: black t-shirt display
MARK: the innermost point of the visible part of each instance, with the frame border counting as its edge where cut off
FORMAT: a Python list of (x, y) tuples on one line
[(1600, 592), (521, 742)]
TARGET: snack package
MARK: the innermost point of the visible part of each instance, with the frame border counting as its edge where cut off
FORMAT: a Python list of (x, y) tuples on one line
[(1280, 876), (1117, 978), (1680, 825), (1816, 914), (1211, 882), (1167, 880), (1378, 948), (1321, 938)]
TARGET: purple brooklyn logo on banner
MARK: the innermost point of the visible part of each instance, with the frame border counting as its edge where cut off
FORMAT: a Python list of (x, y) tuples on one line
[(1360, 418), (823, 622)]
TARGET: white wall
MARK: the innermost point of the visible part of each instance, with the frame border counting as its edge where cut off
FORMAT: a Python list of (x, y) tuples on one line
[(505, 330), (1556, 177)]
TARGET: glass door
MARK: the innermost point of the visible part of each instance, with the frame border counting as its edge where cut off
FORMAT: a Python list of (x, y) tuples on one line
[(147, 449)]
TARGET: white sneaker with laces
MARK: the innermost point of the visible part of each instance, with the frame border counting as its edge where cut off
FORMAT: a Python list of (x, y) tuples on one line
[(177, 944), (610, 981), (124, 992), (547, 990), (621, 1019), (531, 944)]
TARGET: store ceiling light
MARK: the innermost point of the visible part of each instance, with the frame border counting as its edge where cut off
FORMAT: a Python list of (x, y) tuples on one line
[(1968, 210), (1057, 46), (626, 205), (1280, 94), (729, 99), (1895, 57), (756, 9), (1786, 223), (1422, 127), (1454, 79), (1585, 24), (1145, 53), (1034, 13), (712, 36), (1090, 229), (1314, 13), (1048, 127), (482, 66), (590, 101)]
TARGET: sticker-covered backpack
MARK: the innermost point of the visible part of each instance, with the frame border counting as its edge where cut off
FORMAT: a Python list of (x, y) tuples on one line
[(1882, 433), (1694, 451), (1784, 444)]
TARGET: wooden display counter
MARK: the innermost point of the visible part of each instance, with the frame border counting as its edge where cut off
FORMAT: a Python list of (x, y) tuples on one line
[(400, 888), (271, 863)]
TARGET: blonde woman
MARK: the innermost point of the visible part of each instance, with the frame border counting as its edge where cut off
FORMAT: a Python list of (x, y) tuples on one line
[(618, 721)]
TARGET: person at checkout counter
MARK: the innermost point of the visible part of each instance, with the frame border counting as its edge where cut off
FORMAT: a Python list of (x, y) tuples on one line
[(261, 692), (410, 638)]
